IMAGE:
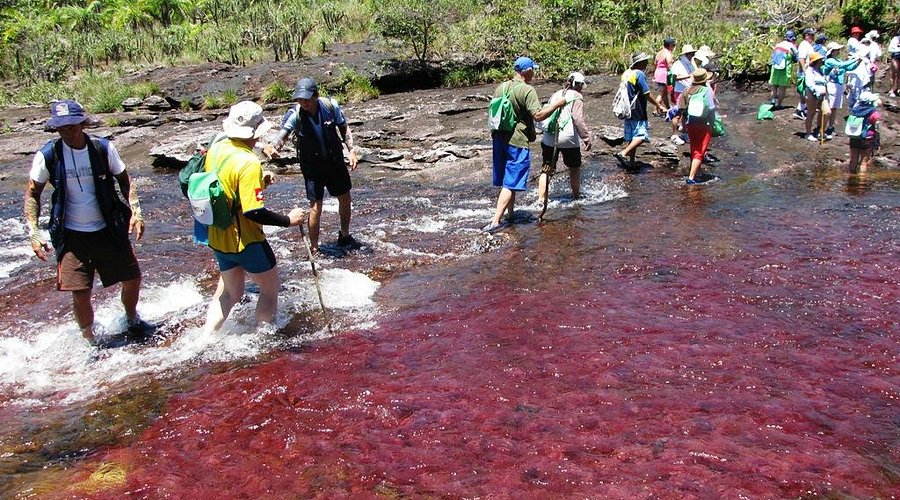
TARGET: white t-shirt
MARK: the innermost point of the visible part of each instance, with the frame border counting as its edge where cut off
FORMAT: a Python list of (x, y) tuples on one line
[(804, 51), (82, 209), (682, 67)]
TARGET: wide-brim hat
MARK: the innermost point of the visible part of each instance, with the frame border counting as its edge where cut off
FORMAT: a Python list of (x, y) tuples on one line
[(687, 49), (65, 112), (639, 57), (577, 78), (246, 121), (832, 46), (700, 76), (815, 57), (870, 97)]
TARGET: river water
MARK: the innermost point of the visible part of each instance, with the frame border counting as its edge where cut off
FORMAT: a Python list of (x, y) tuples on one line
[(732, 340)]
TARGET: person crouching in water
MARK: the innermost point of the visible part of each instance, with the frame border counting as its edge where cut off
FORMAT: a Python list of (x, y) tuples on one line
[(570, 131), (697, 118), (862, 128), (815, 95), (241, 248)]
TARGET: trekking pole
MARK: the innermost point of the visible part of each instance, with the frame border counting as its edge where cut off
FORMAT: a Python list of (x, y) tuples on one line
[(547, 184), (312, 264)]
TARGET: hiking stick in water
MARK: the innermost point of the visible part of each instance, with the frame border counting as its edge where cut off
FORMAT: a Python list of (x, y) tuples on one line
[(546, 190), (312, 264)]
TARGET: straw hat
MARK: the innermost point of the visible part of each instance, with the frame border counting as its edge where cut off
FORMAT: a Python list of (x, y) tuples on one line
[(815, 57), (699, 76), (687, 49)]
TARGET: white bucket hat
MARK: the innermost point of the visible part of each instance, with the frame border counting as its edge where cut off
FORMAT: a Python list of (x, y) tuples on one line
[(246, 121)]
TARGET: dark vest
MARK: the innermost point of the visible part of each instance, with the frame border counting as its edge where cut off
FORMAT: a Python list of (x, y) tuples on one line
[(315, 156), (116, 214)]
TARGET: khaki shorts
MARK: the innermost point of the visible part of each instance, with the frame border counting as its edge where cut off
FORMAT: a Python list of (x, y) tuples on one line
[(96, 252)]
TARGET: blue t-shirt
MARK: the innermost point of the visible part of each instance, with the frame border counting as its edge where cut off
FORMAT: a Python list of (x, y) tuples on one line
[(638, 86), (291, 118)]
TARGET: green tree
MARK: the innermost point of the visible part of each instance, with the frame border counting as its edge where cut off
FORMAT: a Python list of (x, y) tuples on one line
[(419, 25)]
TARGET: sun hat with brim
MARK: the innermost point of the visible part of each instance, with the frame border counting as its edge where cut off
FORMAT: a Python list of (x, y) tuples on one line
[(639, 57), (577, 78), (246, 121), (856, 29), (699, 76), (305, 89), (815, 57), (65, 112), (687, 49), (832, 46), (524, 64)]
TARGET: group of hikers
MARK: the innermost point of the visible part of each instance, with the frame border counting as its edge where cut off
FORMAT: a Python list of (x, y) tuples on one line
[(825, 80), (90, 226), (686, 97)]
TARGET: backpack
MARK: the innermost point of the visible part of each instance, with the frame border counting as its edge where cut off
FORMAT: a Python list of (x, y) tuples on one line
[(501, 115), (858, 124), (552, 123), (779, 59), (209, 204), (697, 109), (196, 164), (622, 105)]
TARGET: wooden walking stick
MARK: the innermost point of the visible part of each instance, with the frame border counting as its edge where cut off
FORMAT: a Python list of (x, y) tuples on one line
[(312, 263)]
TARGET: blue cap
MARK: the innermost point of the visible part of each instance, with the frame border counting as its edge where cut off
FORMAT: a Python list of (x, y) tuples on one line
[(790, 35), (523, 64), (64, 113), (305, 89)]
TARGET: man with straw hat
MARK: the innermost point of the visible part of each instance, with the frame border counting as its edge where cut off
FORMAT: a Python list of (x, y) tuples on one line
[(698, 121), (241, 248), (89, 224), (816, 91), (637, 127)]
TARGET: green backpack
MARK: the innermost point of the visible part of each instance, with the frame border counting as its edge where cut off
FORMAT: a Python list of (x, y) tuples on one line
[(209, 204), (501, 115), (552, 124)]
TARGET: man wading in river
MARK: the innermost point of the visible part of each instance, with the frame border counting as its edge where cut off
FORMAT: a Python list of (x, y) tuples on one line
[(512, 158), (89, 224), (241, 248), (316, 123)]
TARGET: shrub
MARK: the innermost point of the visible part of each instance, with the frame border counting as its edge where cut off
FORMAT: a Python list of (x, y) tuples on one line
[(144, 89), (277, 92), (353, 86), (228, 98), (211, 102)]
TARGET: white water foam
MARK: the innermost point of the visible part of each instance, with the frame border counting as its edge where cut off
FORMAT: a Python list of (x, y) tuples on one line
[(55, 364), (15, 251)]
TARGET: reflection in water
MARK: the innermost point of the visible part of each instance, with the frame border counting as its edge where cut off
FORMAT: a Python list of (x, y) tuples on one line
[(857, 184)]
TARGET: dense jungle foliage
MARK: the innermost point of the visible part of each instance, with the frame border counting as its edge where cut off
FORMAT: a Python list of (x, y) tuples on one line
[(45, 42)]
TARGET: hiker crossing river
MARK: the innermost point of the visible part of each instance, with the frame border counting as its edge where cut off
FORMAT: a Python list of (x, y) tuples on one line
[(740, 336)]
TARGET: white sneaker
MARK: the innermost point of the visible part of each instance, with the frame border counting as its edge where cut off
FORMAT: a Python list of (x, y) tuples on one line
[(678, 141), (812, 137)]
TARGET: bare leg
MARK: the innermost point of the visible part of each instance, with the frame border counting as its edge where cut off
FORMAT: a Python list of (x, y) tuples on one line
[(854, 160), (505, 201), (575, 181), (84, 313), (131, 293), (267, 305), (865, 159), (695, 167), (344, 213), (315, 213), (228, 292), (543, 193)]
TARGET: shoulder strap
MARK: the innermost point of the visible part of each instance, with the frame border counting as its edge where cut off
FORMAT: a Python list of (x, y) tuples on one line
[(102, 146)]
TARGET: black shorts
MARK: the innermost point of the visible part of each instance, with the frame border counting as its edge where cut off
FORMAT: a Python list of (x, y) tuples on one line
[(336, 178), (96, 252), (571, 158)]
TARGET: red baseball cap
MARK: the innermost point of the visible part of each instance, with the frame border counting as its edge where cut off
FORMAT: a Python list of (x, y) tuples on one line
[(856, 29)]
